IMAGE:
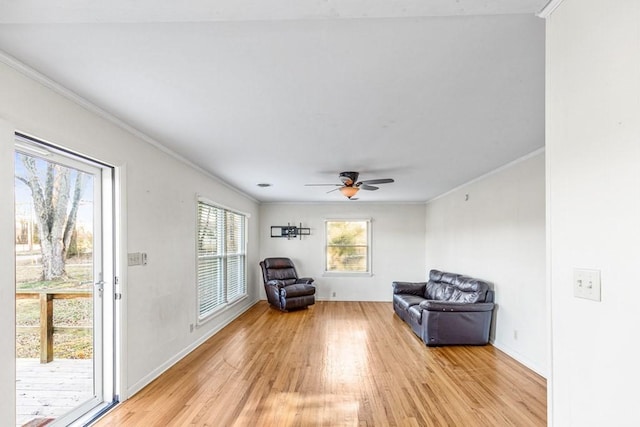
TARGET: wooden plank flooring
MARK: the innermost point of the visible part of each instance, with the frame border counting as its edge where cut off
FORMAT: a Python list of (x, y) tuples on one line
[(335, 364)]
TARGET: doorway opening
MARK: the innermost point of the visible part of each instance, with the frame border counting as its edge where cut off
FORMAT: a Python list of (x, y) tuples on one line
[(65, 285)]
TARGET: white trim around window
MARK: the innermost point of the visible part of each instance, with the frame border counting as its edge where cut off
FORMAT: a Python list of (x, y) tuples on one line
[(355, 261), (221, 258)]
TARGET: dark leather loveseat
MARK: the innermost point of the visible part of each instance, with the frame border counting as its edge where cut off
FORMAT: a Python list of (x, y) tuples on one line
[(449, 309)]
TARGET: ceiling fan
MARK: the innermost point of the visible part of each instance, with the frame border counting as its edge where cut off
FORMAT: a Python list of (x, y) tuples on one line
[(350, 184)]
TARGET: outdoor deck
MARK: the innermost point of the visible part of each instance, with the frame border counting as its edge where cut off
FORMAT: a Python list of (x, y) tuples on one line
[(51, 389)]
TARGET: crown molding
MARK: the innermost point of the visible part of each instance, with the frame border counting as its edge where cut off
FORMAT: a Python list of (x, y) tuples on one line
[(548, 8), (534, 153), (79, 100)]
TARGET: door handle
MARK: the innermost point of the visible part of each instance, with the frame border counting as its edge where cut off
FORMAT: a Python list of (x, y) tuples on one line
[(100, 286)]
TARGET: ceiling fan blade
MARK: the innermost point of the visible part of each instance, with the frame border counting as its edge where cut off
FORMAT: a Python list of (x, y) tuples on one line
[(323, 185), (377, 181), (368, 187), (331, 191)]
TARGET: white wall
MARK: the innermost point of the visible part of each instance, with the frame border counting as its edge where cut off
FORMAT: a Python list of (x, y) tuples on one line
[(160, 197), (593, 196), (498, 234), (7, 276), (397, 251)]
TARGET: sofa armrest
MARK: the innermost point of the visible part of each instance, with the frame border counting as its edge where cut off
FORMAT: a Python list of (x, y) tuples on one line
[(412, 288), (276, 283), (432, 305), (306, 280)]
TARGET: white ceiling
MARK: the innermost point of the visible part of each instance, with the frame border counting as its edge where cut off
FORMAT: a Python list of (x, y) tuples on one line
[(290, 92)]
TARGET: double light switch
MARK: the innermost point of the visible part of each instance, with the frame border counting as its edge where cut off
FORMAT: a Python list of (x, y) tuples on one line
[(586, 284)]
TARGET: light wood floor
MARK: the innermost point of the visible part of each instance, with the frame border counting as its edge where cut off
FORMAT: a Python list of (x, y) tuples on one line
[(335, 364)]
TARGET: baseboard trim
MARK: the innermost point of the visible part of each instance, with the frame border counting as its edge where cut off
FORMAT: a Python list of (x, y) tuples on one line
[(521, 359), (147, 379)]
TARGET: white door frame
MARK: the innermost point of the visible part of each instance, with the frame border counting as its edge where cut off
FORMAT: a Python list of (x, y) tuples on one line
[(107, 323)]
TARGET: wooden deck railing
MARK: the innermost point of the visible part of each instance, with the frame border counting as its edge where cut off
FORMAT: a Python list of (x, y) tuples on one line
[(46, 298)]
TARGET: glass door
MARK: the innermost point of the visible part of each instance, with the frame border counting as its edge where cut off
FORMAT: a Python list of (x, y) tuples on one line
[(64, 285)]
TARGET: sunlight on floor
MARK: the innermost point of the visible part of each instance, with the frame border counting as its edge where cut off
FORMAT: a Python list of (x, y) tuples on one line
[(292, 408)]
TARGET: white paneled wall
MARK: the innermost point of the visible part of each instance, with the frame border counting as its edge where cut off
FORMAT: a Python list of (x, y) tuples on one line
[(397, 250), (494, 229), (593, 174), (160, 198)]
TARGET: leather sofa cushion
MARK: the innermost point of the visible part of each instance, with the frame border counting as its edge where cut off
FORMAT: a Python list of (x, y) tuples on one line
[(438, 291), (465, 297), (469, 289), (415, 312), (280, 269), (298, 302), (413, 288), (287, 275), (448, 278), (270, 263), (435, 275), (297, 290), (404, 301), (455, 288)]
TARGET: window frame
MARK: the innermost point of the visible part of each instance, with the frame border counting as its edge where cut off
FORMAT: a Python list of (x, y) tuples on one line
[(369, 246), (224, 256)]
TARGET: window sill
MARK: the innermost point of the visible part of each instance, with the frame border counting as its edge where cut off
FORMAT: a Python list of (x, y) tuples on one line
[(346, 274), (219, 311)]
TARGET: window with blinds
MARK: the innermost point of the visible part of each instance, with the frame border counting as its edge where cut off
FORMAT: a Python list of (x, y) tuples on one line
[(221, 252)]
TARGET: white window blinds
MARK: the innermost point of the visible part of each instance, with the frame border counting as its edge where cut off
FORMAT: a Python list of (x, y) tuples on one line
[(221, 258), (235, 256)]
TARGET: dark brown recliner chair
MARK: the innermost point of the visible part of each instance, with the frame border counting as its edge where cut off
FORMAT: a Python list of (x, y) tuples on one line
[(284, 289)]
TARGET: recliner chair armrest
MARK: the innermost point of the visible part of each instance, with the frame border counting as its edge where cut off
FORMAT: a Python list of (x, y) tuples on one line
[(307, 280), (432, 305), (276, 283), (412, 288)]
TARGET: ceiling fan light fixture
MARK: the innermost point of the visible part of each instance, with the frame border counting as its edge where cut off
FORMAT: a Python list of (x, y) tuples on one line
[(349, 192), (350, 184)]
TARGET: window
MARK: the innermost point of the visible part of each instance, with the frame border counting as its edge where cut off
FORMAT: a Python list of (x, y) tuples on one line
[(221, 259), (348, 248)]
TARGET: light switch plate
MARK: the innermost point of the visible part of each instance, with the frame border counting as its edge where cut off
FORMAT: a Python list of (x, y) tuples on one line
[(137, 258), (586, 284)]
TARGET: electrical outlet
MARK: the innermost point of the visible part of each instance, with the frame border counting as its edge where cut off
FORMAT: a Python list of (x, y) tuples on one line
[(333, 295), (586, 284), (515, 334), (191, 327)]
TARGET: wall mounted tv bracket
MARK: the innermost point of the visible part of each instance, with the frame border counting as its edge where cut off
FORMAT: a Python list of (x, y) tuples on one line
[(289, 231)]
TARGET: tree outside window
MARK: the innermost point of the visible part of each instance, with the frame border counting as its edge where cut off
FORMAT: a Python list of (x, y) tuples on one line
[(56, 193), (348, 244)]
